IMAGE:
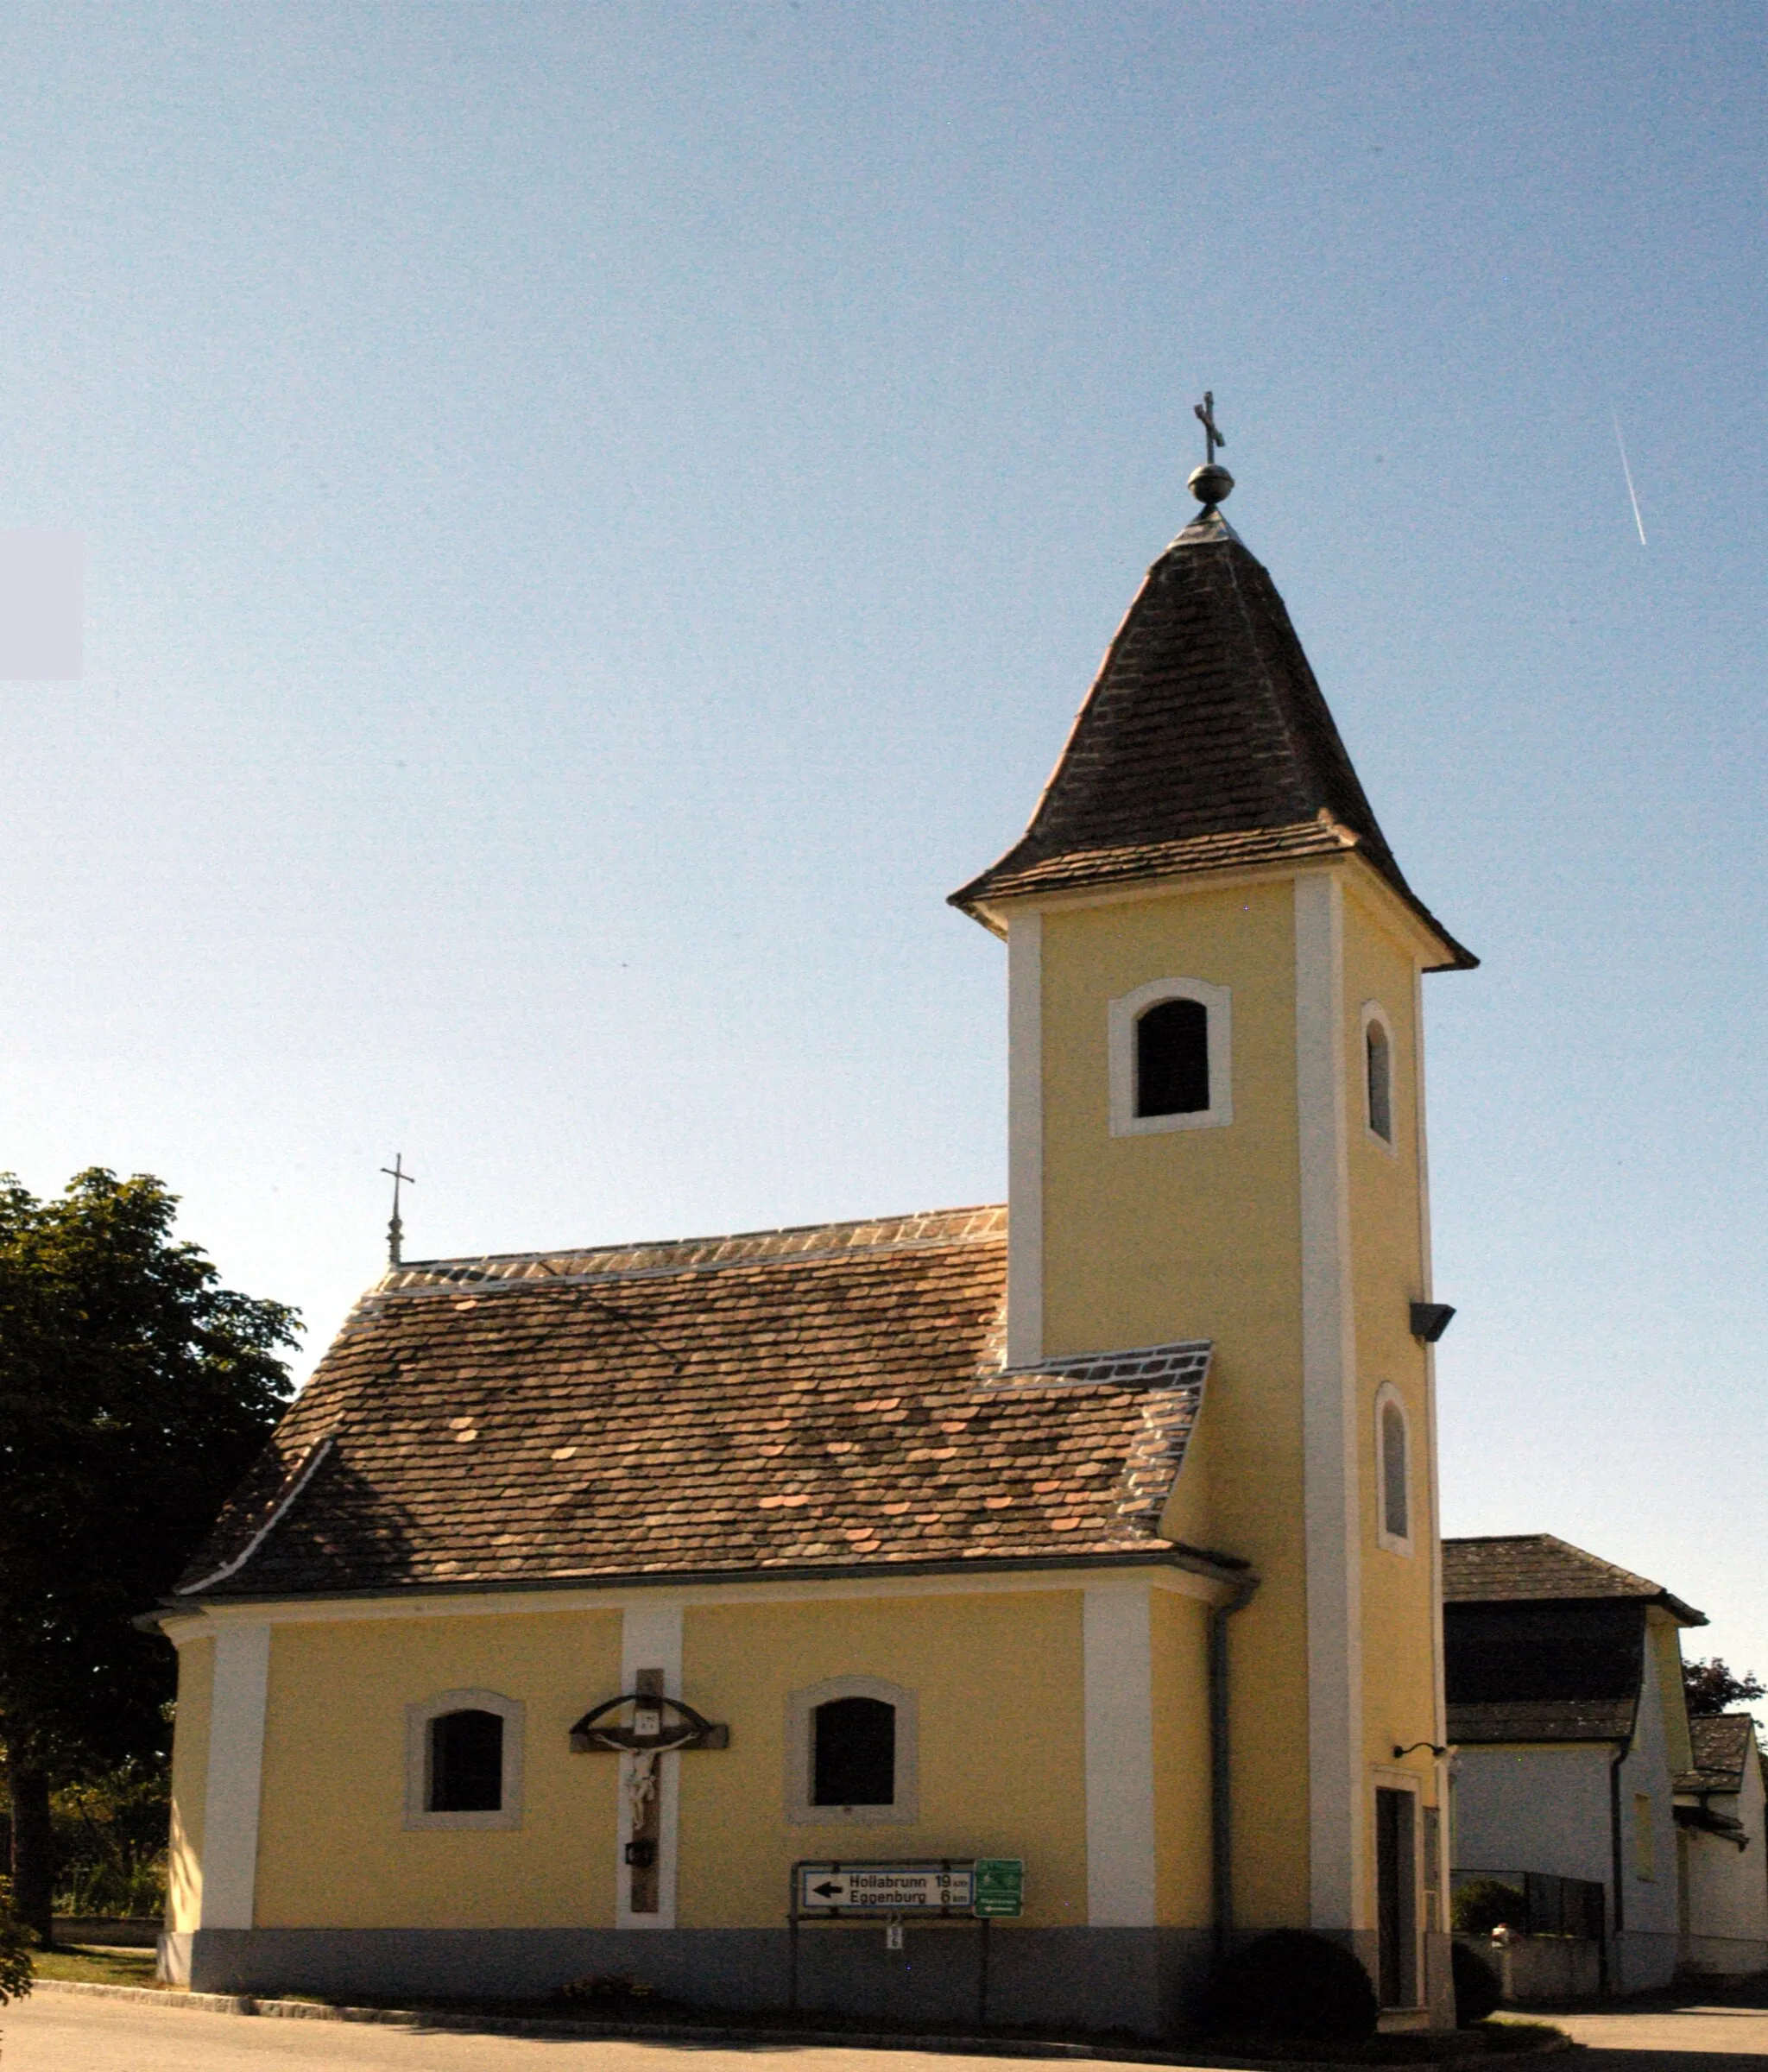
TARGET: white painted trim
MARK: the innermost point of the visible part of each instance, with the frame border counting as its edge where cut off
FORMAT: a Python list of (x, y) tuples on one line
[(1118, 1678), (235, 1774), (1433, 1519), (478, 1604), (1367, 885), (417, 1716), (651, 1638), (906, 1804), (1123, 1015), (1375, 1015), (1388, 1396), (1332, 1454), (1025, 1141)]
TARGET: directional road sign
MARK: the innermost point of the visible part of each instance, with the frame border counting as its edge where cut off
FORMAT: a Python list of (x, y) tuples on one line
[(885, 1888), (1001, 1888)]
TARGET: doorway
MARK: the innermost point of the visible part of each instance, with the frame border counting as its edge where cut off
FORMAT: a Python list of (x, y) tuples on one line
[(1397, 1896)]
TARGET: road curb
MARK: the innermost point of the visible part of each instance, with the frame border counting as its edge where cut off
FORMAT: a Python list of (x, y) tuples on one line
[(564, 2029)]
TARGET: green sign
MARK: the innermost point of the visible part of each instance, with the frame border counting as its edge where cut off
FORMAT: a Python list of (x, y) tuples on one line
[(1000, 1887)]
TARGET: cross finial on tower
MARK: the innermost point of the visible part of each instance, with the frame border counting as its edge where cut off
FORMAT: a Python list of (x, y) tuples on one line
[(396, 1229), (1204, 412), (1212, 482)]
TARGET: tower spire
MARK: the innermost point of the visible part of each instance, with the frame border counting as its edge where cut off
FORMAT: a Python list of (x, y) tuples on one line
[(396, 1229)]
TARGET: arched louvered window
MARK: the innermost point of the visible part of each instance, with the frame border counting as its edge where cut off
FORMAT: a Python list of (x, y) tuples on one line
[(1172, 1059), (1377, 1074), (1393, 1471)]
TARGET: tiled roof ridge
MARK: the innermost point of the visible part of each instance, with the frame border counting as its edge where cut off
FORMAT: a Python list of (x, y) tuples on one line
[(792, 1244), (1639, 1585), (1577, 1566)]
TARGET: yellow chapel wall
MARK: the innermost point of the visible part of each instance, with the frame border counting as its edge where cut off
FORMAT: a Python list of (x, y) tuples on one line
[(190, 1782), (1180, 1642), (1201, 1229), (333, 1850), (1001, 1760), (1400, 1668)]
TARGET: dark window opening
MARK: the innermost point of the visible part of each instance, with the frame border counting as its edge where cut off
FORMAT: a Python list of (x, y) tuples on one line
[(466, 1762), (1381, 1080), (1172, 1059), (853, 1754)]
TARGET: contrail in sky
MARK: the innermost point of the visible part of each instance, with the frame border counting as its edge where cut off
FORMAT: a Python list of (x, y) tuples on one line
[(1628, 473)]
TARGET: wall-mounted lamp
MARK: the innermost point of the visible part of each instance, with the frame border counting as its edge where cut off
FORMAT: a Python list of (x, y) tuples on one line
[(1430, 1320), (1412, 1747)]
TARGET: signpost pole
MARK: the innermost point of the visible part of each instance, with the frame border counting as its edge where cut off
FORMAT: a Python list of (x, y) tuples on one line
[(982, 1975)]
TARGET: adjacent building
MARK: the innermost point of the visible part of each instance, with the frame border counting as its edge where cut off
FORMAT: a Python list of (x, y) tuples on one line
[(1575, 1757)]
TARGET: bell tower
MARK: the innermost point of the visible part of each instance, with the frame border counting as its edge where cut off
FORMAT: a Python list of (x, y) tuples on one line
[(1217, 1131)]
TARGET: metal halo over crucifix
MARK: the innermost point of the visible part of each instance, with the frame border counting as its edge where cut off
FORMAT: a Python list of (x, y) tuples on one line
[(1211, 483), (658, 1726)]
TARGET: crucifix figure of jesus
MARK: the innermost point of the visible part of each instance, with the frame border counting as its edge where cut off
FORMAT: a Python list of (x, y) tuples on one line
[(396, 1229), (1204, 412)]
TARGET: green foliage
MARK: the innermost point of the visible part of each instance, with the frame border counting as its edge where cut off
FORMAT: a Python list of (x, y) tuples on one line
[(1484, 1904), (16, 1942), (1712, 1687), (110, 1840), (1291, 1984), (135, 1391)]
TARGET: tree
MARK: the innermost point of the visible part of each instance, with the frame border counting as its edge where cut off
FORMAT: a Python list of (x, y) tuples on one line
[(135, 1391), (1712, 1689), (16, 1972)]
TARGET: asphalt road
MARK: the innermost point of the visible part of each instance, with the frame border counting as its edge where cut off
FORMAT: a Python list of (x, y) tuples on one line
[(68, 2032)]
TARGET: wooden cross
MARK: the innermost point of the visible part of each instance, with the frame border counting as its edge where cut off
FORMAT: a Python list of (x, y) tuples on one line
[(396, 1229), (1204, 412)]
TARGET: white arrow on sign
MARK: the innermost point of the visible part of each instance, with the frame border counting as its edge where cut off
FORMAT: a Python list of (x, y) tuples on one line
[(892, 1888)]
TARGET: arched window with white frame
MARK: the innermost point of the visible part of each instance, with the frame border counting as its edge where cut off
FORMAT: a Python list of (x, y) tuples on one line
[(850, 1753), (1170, 1058), (463, 1760), (1377, 1074), (1393, 1472)]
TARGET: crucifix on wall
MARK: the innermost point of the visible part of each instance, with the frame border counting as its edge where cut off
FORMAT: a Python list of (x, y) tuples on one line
[(657, 1726)]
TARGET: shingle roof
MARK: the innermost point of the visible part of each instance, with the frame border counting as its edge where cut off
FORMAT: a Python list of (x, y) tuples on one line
[(825, 1400), (1543, 1720), (1528, 1566), (1722, 1745), (1204, 743)]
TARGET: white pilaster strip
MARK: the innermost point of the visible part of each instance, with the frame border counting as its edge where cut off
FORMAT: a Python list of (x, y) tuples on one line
[(651, 1638), (235, 1775), (1332, 1498), (1440, 1730), (1024, 1139), (1118, 1673)]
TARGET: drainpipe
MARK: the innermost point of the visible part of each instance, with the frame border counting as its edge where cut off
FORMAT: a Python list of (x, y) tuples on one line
[(1220, 1767), (1617, 1910)]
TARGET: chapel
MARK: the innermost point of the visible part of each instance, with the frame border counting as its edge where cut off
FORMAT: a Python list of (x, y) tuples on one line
[(993, 1613)]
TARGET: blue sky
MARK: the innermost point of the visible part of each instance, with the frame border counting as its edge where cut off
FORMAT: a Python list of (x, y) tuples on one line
[(599, 517)]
